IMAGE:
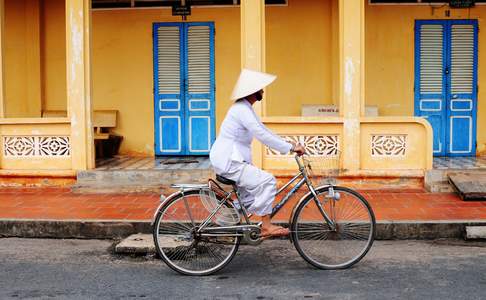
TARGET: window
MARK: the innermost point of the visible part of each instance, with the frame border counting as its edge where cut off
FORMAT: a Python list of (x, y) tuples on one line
[(169, 3)]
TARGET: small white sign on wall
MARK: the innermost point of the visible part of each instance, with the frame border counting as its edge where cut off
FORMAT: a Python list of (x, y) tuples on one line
[(326, 110)]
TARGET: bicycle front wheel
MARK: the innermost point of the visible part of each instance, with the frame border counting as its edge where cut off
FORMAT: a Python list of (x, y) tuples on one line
[(181, 247), (339, 246)]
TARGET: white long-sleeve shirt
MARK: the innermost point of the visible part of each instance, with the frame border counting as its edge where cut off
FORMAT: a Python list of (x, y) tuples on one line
[(237, 131)]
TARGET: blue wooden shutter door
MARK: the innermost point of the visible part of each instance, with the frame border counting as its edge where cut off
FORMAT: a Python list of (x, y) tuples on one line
[(462, 98), (168, 89), (184, 88), (445, 83), (430, 90), (199, 71)]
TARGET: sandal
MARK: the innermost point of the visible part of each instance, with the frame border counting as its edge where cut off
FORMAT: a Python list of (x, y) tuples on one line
[(276, 233)]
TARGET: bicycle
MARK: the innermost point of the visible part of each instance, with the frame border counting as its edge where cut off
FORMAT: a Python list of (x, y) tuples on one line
[(197, 230)]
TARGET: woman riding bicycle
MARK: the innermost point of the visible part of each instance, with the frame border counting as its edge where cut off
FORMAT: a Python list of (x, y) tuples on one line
[(231, 152)]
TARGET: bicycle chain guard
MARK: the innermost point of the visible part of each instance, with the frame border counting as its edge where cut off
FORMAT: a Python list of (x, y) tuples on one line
[(251, 235)]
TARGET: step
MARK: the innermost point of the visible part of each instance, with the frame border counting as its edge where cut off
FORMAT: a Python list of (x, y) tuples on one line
[(437, 180), (469, 185), (107, 181)]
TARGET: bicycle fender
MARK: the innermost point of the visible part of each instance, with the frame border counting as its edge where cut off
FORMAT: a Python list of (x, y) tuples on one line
[(163, 201), (294, 210)]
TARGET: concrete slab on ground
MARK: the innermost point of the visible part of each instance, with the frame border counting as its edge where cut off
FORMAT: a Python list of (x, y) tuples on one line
[(475, 232), (136, 244), (469, 185)]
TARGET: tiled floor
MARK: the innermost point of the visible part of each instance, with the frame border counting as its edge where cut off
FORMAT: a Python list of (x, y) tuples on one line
[(152, 163), (460, 163), (202, 162), (62, 204)]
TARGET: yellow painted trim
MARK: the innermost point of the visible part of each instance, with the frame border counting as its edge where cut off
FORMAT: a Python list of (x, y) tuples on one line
[(16, 121), (360, 173), (318, 120), (36, 163), (38, 173), (35, 129)]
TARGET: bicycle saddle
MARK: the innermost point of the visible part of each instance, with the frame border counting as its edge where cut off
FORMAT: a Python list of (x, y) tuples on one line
[(225, 180)]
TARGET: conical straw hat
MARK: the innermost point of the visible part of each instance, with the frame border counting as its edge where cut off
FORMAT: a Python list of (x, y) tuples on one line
[(250, 82)]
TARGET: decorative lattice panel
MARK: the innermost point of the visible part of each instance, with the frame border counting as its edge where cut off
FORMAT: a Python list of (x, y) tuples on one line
[(315, 145), (388, 145), (43, 146)]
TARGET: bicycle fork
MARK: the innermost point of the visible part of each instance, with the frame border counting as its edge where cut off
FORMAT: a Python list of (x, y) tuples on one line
[(332, 196)]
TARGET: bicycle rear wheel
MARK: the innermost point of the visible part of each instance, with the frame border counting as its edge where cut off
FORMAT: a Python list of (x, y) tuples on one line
[(178, 244), (333, 248)]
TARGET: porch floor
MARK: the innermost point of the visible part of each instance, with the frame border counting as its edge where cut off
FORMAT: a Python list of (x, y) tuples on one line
[(460, 163), (153, 163), (202, 162)]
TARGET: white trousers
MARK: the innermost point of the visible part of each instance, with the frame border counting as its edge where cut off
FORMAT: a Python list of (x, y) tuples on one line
[(256, 187)]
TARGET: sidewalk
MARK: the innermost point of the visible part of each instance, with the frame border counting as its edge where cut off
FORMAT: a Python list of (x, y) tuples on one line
[(19, 205)]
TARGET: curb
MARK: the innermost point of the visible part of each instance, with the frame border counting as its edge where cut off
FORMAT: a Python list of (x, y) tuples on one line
[(79, 229), (113, 229)]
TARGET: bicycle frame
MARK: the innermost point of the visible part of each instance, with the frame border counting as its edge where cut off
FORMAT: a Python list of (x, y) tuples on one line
[(304, 179)]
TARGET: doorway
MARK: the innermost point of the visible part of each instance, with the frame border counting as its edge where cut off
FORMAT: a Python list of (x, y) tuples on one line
[(446, 58), (184, 88)]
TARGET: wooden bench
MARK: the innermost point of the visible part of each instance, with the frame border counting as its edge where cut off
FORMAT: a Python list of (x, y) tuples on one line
[(103, 121)]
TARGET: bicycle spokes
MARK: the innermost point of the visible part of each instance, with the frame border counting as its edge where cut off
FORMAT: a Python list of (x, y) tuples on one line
[(338, 244), (183, 245)]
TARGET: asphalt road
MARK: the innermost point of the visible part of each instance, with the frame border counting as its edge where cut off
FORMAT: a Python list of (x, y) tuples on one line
[(87, 269)]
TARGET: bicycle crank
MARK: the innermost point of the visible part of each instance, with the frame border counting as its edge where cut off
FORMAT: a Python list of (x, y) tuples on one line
[(251, 235)]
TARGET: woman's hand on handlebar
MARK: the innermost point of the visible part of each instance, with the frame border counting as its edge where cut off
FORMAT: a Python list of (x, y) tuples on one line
[(298, 149)]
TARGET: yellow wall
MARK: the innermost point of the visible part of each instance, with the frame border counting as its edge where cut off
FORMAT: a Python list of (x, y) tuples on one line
[(390, 58), (53, 59), (123, 70), (35, 57), (123, 66), (299, 51), (22, 59), (123, 74)]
